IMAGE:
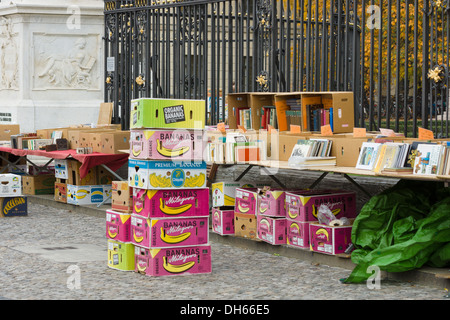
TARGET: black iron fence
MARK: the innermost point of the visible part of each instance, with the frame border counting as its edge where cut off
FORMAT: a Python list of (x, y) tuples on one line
[(394, 55)]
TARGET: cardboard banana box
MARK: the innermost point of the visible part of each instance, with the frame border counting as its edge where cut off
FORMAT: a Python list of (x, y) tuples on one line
[(118, 226), (120, 255), (271, 230), (171, 203), (181, 144), (13, 207), (166, 174), (297, 234), (167, 113), (223, 220), (86, 195), (304, 205), (174, 261), (246, 200), (329, 239), (169, 232), (10, 185)]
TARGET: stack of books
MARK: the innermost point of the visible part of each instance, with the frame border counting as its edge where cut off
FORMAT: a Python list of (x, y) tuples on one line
[(312, 152), (318, 116), (268, 117)]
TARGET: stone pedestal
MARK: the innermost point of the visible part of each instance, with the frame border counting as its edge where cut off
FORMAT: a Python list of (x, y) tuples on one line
[(51, 62)]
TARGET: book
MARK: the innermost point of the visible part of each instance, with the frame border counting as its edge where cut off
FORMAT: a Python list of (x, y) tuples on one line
[(413, 151), (368, 156), (303, 148), (426, 160), (399, 170), (388, 156)]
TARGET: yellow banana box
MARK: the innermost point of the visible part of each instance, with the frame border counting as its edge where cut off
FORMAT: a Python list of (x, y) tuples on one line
[(303, 205), (120, 255), (187, 260), (180, 144), (167, 113), (166, 174), (171, 203), (329, 239), (223, 193), (169, 232), (118, 226), (86, 195)]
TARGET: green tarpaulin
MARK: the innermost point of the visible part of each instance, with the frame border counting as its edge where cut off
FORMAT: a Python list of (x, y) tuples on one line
[(402, 228)]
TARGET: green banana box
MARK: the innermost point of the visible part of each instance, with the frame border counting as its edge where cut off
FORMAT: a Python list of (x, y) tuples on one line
[(180, 144), (166, 174), (173, 261), (13, 206), (169, 232), (120, 255), (167, 113)]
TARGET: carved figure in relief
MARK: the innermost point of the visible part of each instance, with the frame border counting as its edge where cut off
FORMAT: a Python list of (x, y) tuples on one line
[(73, 71), (8, 55)]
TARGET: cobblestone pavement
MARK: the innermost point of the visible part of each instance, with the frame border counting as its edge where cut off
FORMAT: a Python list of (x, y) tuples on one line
[(237, 273)]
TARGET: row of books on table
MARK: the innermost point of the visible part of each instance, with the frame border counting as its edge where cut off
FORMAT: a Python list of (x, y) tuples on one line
[(418, 157)]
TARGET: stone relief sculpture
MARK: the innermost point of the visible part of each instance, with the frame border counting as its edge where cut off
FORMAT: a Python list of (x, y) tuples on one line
[(9, 56), (72, 67)]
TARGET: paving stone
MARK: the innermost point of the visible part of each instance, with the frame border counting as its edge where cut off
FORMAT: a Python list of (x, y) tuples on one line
[(237, 273)]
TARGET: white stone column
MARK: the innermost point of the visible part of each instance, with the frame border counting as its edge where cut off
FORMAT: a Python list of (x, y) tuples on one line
[(51, 62)]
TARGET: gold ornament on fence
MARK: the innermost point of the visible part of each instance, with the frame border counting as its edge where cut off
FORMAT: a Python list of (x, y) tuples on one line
[(435, 74)]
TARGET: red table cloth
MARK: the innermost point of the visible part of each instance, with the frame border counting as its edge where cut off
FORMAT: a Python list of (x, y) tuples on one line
[(88, 161)]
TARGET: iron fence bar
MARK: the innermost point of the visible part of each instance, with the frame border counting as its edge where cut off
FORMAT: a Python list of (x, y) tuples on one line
[(397, 65), (425, 64), (388, 67), (380, 59), (362, 92), (416, 27), (406, 85)]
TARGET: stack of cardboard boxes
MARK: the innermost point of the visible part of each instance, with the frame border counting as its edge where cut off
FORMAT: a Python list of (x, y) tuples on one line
[(166, 201), (12, 202), (223, 195), (304, 229), (70, 187)]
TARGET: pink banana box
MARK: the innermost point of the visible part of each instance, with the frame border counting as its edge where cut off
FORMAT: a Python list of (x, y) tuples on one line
[(329, 239), (180, 144), (171, 203), (223, 220), (297, 234), (118, 226), (246, 200), (304, 205), (271, 230), (174, 261), (166, 233), (272, 202)]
